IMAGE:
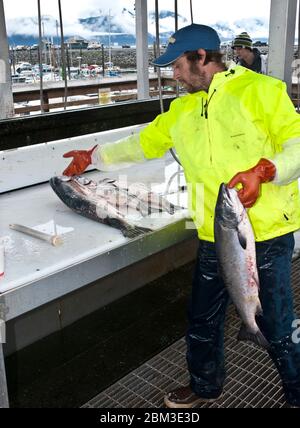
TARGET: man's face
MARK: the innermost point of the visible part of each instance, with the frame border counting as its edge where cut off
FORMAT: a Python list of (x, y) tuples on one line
[(240, 52), (190, 75)]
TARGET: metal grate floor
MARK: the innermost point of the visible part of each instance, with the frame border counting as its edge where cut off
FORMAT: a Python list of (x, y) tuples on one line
[(252, 380)]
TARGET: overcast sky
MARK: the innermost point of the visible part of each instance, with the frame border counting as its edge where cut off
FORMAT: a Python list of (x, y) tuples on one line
[(204, 11)]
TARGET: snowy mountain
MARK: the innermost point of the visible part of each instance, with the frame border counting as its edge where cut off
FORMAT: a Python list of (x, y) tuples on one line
[(166, 24), (121, 28), (257, 28)]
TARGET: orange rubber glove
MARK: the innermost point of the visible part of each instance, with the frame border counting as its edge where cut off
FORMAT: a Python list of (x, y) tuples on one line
[(81, 160), (251, 180)]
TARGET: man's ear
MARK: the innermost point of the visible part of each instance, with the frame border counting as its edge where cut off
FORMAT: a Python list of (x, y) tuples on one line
[(202, 54)]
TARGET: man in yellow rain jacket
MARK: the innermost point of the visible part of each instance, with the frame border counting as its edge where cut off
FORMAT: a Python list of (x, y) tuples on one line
[(231, 120)]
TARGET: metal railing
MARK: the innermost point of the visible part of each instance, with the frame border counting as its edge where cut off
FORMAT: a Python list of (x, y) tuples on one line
[(120, 91)]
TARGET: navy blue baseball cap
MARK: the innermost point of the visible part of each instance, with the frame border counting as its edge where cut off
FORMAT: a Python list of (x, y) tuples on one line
[(190, 38)]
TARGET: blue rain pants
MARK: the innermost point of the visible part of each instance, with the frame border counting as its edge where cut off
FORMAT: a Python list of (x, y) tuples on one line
[(206, 314)]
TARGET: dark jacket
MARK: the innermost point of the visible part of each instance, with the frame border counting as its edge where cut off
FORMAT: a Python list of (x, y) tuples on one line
[(256, 65)]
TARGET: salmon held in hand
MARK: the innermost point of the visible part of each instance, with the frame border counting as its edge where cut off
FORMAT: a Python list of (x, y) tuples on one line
[(235, 247)]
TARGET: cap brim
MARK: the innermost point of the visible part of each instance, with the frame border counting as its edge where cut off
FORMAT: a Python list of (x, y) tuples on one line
[(165, 59)]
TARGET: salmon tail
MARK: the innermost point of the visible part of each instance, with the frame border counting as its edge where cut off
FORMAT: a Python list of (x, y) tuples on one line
[(175, 208), (258, 338), (134, 231), (128, 230)]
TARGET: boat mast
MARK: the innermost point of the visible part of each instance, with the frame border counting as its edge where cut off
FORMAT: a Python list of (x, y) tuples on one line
[(40, 56), (109, 38)]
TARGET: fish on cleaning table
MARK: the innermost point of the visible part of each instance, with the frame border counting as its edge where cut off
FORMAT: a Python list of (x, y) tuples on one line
[(137, 196), (235, 248), (105, 202), (83, 197)]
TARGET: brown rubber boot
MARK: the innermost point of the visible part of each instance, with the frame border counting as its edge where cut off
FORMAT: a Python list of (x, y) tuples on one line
[(185, 398)]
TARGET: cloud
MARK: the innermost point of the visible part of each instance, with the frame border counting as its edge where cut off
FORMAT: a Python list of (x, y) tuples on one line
[(30, 28), (235, 13), (16, 15), (71, 10), (214, 10)]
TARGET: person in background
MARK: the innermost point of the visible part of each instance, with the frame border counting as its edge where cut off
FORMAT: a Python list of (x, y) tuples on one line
[(239, 127), (247, 56)]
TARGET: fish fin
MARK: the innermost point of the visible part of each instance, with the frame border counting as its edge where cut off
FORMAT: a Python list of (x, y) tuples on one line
[(258, 338), (259, 311), (170, 207), (144, 209), (108, 180), (242, 239), (174, 208), (256, 279)]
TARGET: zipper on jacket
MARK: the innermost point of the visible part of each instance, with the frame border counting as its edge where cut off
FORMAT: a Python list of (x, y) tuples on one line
[(208, 102), (208, 130)]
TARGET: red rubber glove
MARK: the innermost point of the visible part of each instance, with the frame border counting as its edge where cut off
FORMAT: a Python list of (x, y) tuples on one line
[(251, 180), (81, 160)]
